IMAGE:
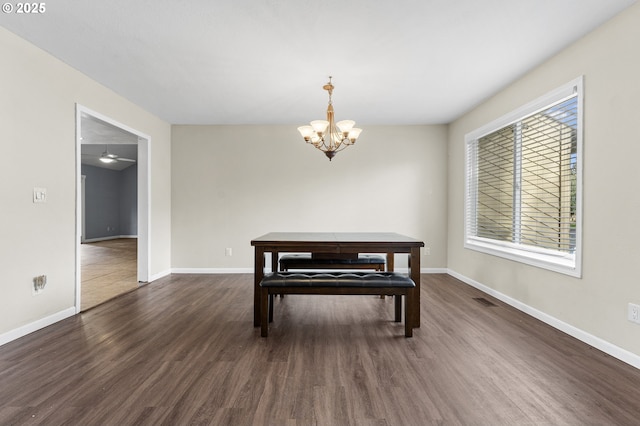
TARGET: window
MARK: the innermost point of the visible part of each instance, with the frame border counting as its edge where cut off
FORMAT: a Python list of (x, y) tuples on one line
[(523, 185)]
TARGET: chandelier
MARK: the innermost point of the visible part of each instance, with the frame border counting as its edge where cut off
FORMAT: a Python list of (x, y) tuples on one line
[(327, 135)]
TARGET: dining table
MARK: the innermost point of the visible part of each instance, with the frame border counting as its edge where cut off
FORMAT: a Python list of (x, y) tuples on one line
[(336, 243)]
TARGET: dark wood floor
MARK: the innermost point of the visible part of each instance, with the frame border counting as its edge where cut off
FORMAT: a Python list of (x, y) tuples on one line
[(182, 350)]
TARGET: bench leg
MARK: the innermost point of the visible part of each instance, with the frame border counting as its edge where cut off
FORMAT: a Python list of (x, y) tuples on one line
[(380, 268), (284, 269), (398, 307), (264, 312), (271, 297), (408, 313)]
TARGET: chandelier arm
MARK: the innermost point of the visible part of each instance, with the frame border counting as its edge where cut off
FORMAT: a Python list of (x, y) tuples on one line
[(337, 143), (322, 143)]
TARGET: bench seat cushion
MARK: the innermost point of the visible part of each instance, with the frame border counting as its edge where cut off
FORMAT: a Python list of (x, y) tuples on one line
[(305, 259), (337, 279)]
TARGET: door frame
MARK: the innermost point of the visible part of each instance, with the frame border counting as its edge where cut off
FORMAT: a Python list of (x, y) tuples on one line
[(144, 197), (83, 213)]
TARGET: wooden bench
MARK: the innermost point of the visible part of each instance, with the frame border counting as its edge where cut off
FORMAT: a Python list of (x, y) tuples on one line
[(338, 283), (331, 261)]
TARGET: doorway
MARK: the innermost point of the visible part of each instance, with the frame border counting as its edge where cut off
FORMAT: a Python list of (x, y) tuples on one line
[(112, 214)]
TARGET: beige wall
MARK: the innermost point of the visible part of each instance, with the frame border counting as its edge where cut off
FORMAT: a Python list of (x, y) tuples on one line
[(235, 183), (609, 59), (38, 141)]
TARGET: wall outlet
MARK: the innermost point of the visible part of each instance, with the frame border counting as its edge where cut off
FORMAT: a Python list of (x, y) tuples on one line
[(427, 251), (228, 251), (634, 313), (39, 283)]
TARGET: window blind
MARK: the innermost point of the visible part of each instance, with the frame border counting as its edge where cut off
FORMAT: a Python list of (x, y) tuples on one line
[(521, 180)]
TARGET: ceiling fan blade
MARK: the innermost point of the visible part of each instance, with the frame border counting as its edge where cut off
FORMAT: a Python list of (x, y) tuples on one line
[(108, 157)]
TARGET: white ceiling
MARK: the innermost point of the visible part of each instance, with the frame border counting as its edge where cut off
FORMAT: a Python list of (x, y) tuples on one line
[(265, 61), (99, 136)]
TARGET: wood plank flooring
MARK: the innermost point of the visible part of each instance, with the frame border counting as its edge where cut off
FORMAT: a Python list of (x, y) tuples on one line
[(108, 269), (182, 350)]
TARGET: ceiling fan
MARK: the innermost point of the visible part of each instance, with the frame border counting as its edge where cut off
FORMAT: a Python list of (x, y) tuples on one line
[(107, 157)]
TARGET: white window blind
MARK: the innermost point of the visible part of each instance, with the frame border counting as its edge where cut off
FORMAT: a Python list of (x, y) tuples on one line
[(522, 197)]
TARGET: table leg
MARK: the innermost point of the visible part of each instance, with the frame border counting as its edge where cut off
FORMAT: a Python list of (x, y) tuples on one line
[(408, 312), (274, 261), (258, 275), (414, 271), (390, 259)]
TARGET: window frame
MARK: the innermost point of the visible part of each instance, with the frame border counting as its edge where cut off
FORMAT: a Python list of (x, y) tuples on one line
[(565, 263)]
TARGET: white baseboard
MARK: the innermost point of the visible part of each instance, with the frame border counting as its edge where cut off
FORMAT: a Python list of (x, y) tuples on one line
[(160, 275), (598, 343), (434, 271), (212, 270), (250, 270), (36, 325), (113, 237)]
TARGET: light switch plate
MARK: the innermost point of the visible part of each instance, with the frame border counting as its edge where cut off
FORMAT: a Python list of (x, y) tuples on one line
[(39, 195)]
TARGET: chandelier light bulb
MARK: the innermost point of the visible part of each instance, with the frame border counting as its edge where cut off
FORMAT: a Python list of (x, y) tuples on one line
[(319, 126), (353, 134), (307, 132), (345, 125)]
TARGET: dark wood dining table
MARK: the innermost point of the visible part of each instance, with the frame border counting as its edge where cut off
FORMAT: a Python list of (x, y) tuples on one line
[(339, 243)]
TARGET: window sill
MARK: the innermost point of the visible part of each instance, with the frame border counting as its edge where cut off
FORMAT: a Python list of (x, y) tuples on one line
[(548, 259)]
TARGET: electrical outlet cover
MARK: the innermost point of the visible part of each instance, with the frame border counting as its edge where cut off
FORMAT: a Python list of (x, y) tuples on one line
[(634, 313)]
